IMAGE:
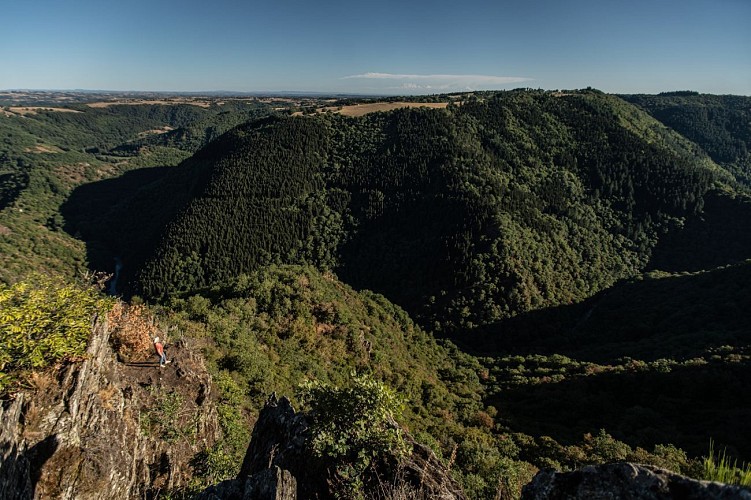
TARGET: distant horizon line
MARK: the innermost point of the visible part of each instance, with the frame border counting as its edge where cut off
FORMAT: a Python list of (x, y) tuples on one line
[(192, 92), (292, 93)]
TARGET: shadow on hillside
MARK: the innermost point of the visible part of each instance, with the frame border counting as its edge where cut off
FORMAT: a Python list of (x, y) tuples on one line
[(685, 407), (720, 235), (674, 317), (113, 218), (124, 218), (11, 186)]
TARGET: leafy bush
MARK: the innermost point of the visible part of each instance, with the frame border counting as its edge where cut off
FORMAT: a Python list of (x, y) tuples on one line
[(225, 458), (168, 417), (488, 467), (353, 428), (44, 320)]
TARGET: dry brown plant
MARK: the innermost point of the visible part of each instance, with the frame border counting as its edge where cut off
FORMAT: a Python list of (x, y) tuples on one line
[(133, 329), (40, 381)]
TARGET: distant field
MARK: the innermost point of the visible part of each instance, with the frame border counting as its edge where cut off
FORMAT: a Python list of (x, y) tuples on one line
[(136, 102), (30, 110), (43, 148), (364, 109), (372, 107), (156, 131)]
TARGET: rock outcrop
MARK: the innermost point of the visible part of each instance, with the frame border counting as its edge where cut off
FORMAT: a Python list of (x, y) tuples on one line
[(99, 428), (626, 481), (278, 465)]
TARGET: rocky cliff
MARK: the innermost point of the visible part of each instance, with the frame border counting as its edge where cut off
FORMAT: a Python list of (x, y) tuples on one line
[(99, 428)]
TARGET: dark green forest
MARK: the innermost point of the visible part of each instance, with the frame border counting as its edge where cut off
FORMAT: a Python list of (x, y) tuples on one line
[(719, 124), (46, 154), (516, 202)]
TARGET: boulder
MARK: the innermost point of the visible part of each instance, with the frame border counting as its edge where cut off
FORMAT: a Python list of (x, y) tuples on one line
[(269, 484)]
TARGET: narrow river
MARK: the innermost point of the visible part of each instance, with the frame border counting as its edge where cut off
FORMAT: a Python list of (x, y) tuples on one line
[(113, 282)]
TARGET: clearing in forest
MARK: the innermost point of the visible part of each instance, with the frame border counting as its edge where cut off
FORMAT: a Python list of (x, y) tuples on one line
[(32, 110), (364, 109)]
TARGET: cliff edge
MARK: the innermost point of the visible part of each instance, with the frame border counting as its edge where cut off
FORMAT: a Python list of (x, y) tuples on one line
[(100, 428)]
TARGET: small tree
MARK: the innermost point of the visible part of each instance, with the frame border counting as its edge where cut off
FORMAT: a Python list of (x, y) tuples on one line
[(353, 428)]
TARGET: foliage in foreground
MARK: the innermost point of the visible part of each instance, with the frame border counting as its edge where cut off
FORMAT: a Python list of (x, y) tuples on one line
[(353, 428), (274, 328), (720, 468), (44, 320)]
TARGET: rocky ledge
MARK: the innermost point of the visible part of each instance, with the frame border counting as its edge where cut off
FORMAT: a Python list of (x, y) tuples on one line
[(626, 481)]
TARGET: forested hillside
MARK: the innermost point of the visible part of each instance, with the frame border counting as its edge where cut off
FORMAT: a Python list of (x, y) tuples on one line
[(275, 328), (465, 216), (719, 124), (47, 152), (661, 357)]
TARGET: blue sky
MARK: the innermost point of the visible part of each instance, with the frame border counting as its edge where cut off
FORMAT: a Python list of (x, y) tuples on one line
[(379, 46)]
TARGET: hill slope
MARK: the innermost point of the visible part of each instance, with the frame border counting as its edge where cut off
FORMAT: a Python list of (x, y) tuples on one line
[(45, 154), (464, 216), (719, 124)]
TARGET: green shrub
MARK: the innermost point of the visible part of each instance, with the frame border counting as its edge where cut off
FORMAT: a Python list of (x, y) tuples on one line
[(224, 459), (168, 417), (353, 428), (44, 320)]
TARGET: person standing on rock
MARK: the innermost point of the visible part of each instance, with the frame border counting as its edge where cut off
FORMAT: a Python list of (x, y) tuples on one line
[(159, 348)]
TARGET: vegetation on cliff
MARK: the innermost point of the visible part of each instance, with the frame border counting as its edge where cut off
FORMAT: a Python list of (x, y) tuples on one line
[(353, 428), (43, 321)]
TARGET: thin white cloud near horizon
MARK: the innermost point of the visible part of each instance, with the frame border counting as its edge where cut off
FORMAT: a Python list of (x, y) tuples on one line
[(486, 79), (442, 82)]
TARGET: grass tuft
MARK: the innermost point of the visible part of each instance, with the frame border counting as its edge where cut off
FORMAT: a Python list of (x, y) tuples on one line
[(719, 467)]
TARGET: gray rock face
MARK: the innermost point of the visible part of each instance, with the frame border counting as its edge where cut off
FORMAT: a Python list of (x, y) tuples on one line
[(279, 440), (269, 484), (81, 432), (626, 481)]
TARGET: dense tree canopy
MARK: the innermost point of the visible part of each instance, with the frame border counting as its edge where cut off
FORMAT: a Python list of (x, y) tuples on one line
[(720, 124), (504, 204)]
